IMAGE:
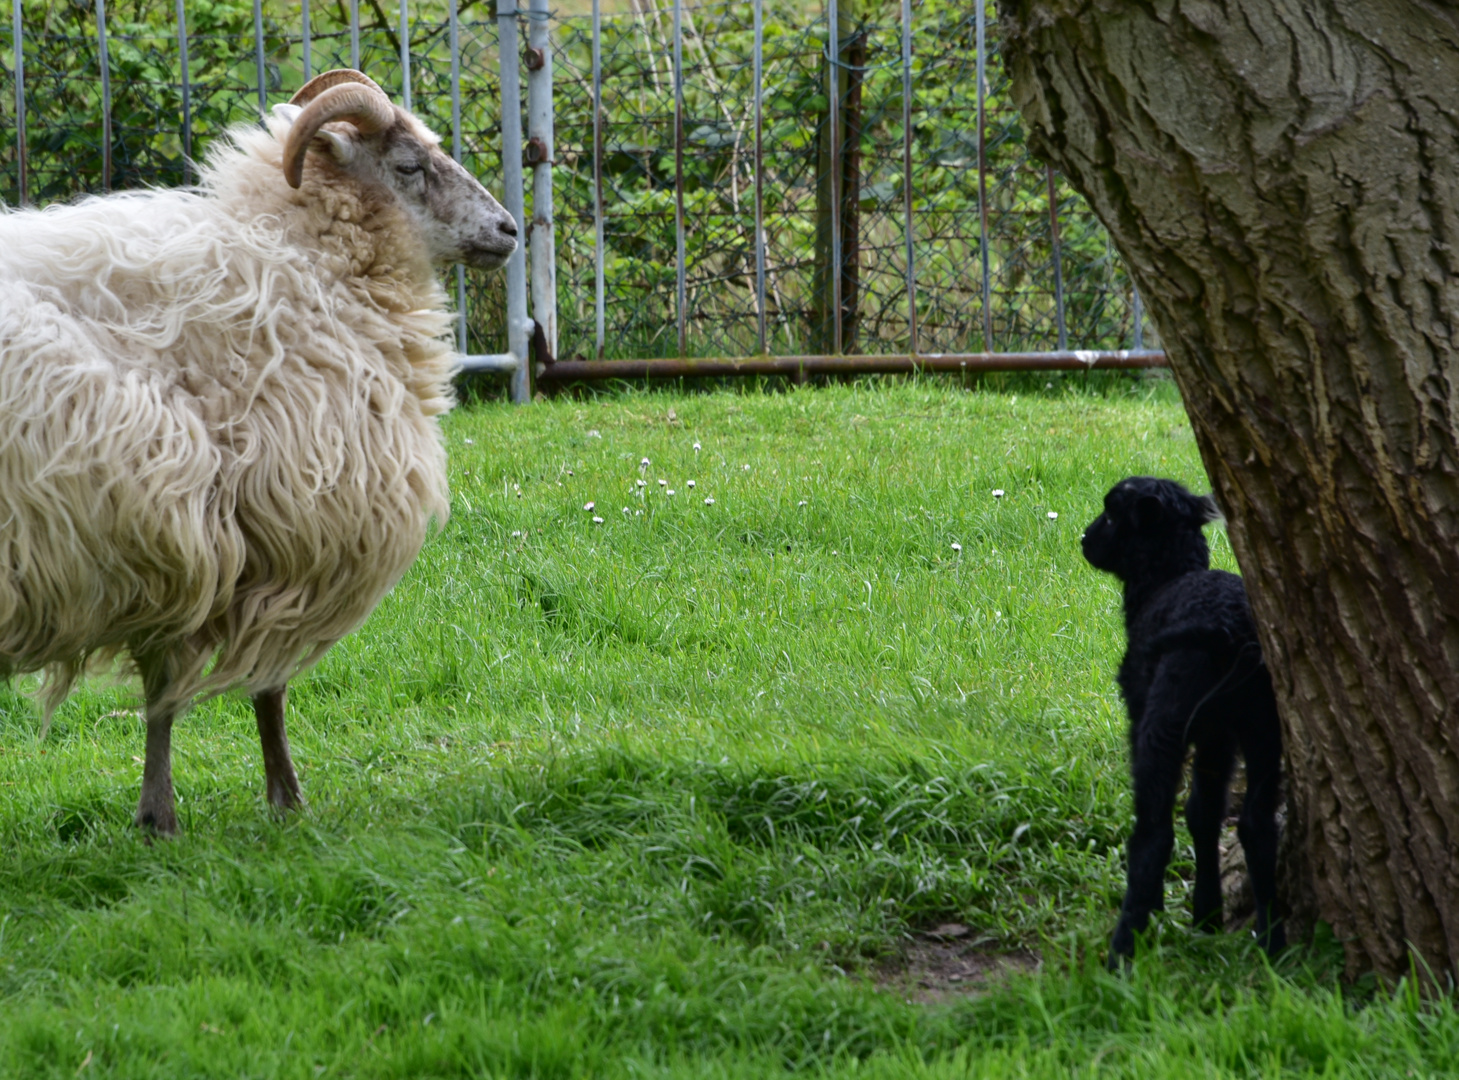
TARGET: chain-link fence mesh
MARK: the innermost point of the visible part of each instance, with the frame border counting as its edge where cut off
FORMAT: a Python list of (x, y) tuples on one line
[(824, 112)]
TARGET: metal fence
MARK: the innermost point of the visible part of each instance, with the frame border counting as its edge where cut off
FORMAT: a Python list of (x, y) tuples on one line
[(716, 186)]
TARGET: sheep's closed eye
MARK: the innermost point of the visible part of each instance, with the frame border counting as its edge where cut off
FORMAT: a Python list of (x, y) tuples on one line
[(409, 169)]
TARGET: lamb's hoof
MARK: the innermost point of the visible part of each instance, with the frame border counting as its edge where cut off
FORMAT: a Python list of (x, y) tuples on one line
[(1274, 940)]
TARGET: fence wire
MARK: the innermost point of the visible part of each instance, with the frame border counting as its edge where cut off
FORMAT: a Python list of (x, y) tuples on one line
[(840, 171)]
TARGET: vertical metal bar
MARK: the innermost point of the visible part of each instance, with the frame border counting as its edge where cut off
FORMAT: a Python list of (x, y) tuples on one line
[(983, 179), (307, 41), (599, 257), (519, 325), (258, 58), (355, 34), (105, 61), (1139, 313), (17, 30), (454, 18), (405, 54), (1054, 242), (760, 336), (907, 174), (542, 249), (187, 104), (833, 121), (681, 290)]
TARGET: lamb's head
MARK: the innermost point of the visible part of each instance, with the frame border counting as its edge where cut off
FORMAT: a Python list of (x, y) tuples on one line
[(345, 115), (1150, 529)]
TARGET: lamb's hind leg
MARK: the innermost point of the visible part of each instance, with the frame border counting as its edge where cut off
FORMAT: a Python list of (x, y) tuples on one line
[(1205, 811), (156, 810), (278, 767), (1258, 828)]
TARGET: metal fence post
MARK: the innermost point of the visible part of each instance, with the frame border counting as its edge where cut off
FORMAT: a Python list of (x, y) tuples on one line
[(907, 174), (355, 34), (541, 245), (599, 261), (306, 42), (453, 16), (1054, 243), (18, 37), (680, 288), (761, 340), (833, 125), (1139, 315), (983, 180), (105, 62), (405, 54), (187, 104), (519, 325), (259, 61)]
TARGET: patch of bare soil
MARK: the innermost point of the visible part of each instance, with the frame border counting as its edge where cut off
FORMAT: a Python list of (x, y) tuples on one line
[(947, 962)]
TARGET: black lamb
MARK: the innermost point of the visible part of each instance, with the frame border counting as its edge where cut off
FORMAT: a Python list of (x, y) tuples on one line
[(1192, 674)]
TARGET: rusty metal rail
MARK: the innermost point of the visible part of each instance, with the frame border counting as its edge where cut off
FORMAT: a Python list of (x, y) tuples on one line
[(563, 371)]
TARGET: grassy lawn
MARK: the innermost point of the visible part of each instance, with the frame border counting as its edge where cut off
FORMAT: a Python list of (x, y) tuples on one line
[(678, 793)]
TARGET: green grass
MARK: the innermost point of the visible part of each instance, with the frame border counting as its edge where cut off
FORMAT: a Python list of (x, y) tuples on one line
[(660, 796)]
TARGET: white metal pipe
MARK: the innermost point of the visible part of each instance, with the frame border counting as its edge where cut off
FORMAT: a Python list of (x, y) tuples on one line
[(541, 245), (504, 363), (519, 325)]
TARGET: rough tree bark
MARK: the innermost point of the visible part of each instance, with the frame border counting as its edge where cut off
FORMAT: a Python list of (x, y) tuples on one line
[(1282, 178)]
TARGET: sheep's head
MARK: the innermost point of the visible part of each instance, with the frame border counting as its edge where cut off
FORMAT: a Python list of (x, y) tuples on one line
[(345, 115), (1150, 527)]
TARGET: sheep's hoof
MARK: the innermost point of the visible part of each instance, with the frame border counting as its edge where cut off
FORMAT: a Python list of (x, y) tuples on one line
[(155, 823), (286, 796)]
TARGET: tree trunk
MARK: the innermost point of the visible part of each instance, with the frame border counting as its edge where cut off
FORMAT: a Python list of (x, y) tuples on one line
[(1282, 178)]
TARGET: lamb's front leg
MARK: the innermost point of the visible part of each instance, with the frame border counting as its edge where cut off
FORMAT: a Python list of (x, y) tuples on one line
[(278, 767), (156, 810)]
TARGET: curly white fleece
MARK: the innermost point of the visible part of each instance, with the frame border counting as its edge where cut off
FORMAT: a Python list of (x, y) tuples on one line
[(217, 438)]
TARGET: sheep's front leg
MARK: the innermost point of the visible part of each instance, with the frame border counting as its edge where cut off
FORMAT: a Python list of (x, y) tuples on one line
[(278, 767), (156, 810)]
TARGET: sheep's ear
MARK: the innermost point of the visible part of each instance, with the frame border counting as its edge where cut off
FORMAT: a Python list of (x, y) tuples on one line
[(340, 147), (286, 112), (1148, 511), (1208, 511)]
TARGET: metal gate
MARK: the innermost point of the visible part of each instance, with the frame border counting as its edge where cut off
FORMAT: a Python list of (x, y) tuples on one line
[(763, 187)]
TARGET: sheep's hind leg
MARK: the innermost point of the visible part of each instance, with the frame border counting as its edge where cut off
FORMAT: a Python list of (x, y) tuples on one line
[(156, 810), (1205, 811), (278, 767)]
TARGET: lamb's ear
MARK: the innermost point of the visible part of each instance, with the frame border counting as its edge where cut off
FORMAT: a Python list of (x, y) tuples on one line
[(1208, 510), (1148, 511)]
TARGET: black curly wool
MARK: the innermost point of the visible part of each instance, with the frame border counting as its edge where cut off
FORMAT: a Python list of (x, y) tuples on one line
[(1192, 675)]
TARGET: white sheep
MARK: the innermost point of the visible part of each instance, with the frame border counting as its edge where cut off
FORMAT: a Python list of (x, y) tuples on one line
[(218, 444)]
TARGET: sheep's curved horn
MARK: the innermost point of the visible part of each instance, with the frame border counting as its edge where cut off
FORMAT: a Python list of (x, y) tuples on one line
[(369, 110), (322, 82)]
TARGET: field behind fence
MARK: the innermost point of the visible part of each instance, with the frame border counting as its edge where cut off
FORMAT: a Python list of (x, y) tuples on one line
[(1004, 256)]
